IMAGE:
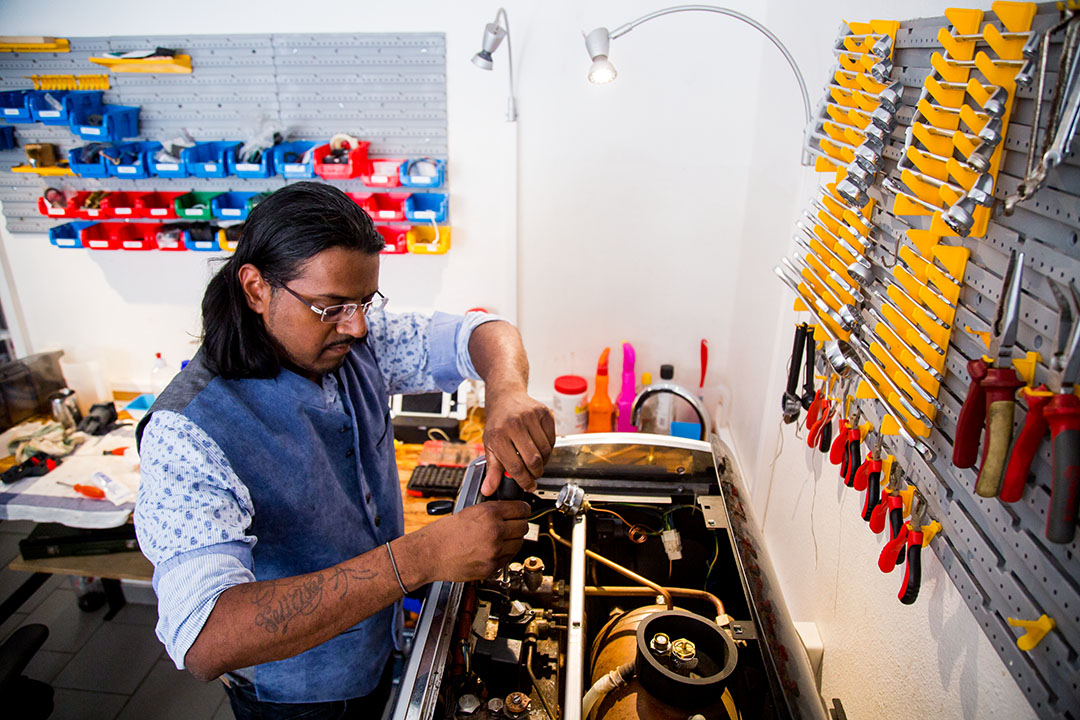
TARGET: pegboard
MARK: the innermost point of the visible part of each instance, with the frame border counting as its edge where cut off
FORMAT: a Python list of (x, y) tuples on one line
[(386, 88), (996, 553)]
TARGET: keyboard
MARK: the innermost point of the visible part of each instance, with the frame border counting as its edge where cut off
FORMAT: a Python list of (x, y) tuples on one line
[(435, 480)]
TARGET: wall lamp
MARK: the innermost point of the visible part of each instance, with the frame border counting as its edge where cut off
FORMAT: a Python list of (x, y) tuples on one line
[(598, 43), (494, 32)]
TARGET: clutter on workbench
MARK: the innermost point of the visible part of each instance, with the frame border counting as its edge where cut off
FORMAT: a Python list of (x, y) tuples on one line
[(569, 405), (26, 384), (101, 419)]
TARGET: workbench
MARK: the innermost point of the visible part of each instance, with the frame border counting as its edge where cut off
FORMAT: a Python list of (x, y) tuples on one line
[(114, 567)]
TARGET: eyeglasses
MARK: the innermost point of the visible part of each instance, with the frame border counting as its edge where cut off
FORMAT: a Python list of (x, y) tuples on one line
[(341, 313)]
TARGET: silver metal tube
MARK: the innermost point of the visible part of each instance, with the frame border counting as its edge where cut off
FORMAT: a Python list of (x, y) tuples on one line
[(575, 625)]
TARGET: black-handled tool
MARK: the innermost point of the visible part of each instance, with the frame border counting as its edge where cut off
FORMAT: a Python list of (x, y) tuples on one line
[(791, 403), (873, 493), (509, 489), (808, 381), (909, 591), (440, 507)]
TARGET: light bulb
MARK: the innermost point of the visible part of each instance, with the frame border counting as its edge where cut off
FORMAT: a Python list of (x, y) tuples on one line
[(602, 71)]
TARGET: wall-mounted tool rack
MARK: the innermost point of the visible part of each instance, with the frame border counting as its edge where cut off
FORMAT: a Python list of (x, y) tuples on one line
[(901, 198), (385, 88)]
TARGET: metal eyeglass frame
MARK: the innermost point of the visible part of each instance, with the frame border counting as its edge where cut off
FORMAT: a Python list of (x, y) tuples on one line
[(377, 302)]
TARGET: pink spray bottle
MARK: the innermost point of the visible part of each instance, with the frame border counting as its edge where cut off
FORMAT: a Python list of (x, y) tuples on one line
[(624, 403)]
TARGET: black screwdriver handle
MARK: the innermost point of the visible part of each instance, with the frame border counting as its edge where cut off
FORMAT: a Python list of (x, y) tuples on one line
[(796, 359), (808, 380), (509, 489)]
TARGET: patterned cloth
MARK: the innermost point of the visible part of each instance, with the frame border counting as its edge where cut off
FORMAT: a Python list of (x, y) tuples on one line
[(193, 512)]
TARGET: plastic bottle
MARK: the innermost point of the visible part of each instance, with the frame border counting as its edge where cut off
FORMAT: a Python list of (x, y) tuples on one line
[(624, 403), (601, 411), (160, 375), (569, 406), (647, 424), (665, 403)]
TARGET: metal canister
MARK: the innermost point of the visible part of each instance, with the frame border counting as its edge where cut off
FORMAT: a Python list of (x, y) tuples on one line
[(65, 408)]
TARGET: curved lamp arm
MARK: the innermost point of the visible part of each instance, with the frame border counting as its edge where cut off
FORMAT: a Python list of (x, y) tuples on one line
[(511, 103), (623, 29)]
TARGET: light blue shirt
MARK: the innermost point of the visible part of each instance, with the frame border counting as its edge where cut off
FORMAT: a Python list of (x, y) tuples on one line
[(193, 512)]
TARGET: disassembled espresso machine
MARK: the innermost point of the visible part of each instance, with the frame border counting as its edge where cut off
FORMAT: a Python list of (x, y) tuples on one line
[(643, 590)]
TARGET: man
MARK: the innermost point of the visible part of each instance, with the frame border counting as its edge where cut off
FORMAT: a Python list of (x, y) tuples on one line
[(270, 503)]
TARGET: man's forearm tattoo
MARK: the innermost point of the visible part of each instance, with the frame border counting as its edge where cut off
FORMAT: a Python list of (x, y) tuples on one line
[(280, 601)]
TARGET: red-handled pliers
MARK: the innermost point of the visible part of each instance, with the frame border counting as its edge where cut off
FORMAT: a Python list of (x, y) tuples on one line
[(909, 591), (853, 456)]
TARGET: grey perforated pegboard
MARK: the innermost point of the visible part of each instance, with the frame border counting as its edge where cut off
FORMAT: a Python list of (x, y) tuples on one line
[(996, 553), (387, 88)]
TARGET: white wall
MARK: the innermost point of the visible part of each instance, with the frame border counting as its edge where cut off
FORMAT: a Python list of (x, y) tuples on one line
[(648, 210)]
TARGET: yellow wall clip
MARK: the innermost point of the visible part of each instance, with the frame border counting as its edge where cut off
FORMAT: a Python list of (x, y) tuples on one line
[(1036, 631)]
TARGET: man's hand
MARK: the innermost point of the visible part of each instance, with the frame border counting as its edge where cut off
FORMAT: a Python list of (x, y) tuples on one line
[(474, 543), (518, 437)]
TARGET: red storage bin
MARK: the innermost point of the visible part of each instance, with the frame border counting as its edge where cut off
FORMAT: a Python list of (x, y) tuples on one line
[(155, 205), (75, 207), (382, 207), (356, 166), (172, 242), (395, 237), (383, 173), (57, 212), (119, 205), (107, 236)]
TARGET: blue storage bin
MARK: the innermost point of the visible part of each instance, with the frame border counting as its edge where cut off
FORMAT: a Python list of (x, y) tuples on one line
[(208, 159), (68, 234), (117, 122), (426, 207), (133, 165), (7, 137), (290, 166), (201, 245), (232, 205), (70, 101), (262, 169), (96, 169), (14, 107), (414, 173), (165, 169)]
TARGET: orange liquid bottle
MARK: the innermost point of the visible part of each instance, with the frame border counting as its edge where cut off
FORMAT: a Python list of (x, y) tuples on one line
[(601, 409)]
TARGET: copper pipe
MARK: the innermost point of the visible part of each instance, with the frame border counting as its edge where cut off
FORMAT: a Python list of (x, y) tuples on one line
[(655, 589), (677, 592)]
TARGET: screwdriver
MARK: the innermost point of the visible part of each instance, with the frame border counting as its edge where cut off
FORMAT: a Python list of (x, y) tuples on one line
[(90, 491)]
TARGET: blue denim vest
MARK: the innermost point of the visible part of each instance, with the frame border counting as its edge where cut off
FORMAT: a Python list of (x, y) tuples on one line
[(325, 488)]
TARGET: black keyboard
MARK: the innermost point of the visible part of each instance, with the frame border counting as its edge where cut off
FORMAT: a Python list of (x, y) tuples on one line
[(435, 480)]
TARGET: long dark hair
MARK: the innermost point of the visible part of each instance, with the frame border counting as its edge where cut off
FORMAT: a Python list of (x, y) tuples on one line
[(283, 231)]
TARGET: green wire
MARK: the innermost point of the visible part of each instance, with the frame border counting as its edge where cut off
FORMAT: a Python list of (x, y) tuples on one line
[(716, 536)]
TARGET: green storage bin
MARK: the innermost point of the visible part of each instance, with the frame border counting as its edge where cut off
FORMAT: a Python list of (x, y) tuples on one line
[(195, 205)]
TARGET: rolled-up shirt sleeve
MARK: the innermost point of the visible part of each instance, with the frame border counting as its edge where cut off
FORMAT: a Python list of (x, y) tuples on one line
[(422, 353), (191, 517)]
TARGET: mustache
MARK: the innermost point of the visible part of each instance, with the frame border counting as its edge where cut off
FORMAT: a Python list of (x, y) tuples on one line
[(348, 342)]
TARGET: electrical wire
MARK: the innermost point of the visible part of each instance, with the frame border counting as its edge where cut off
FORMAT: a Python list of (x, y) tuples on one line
[(540, 514), (640, 529), (716, 556)]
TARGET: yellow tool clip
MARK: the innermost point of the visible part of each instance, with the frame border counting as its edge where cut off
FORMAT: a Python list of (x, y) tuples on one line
[(1025, 368), (930, 532), (1036, 631)]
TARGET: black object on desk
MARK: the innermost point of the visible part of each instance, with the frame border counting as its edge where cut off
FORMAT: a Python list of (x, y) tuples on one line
[(429, 480), (55, 540)]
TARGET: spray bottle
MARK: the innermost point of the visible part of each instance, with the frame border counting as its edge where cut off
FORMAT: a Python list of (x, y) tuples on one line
[(664, 403), (600, 408), (624, 403)]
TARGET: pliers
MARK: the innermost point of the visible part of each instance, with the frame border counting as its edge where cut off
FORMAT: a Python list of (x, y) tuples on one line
[(1059, 409), (891, 505), (909, 591), (852, 453), (791, 403), (868, 478), (990, 395), (895, 551)]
